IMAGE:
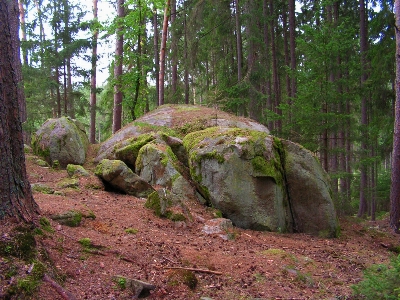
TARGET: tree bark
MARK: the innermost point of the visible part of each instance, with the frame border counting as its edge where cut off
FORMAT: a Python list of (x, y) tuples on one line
[(93, 87), (292, 38), (15, 191), (186, 75), (238, 42), (364, 116), (119, 51), (275, 72), (162, 53), (395, 187), (174, 52), (23, 31), (156, 53)]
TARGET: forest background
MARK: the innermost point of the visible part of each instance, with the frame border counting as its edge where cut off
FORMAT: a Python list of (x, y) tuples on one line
[(320, 73)]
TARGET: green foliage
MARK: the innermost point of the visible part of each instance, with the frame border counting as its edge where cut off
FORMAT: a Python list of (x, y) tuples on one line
[(380, 282), (131, 230), (21, 245), (45, 224), (85, 242)]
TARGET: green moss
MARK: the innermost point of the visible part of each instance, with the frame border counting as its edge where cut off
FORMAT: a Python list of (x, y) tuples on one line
[(131, 151), (42, 163), (68, 183), (131, 230), (153, 202), (85, 242), (175, 217), (182, 276), (146, 128), (76, 170), (42, 188), (45, 224), (26, 286), (71, 218), (21, 245)]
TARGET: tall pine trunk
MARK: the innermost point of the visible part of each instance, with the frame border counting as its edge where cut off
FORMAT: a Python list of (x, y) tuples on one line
[(119, 51), (16, 198), (156, 53), (93, 87), (395, 187), (362, 210), (162, 53)]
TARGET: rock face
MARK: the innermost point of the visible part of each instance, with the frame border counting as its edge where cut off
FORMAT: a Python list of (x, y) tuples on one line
[(120, 177), (63, 140), (256, 180)]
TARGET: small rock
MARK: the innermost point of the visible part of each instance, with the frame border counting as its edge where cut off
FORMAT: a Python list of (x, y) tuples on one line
[(218, 225)]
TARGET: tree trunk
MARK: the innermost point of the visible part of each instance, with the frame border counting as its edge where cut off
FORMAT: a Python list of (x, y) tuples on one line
[(395, 187), (174, 52), (23, 31), (156, 54), (292, 37), (119, 51), (162, 53), (93, 87), (364, 116), (275, 72), (267, 62), (58, 94), (15, 191), (238, 41), (186, 61)]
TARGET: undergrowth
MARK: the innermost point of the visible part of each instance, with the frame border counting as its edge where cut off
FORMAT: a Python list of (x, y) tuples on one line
[(380, 282)]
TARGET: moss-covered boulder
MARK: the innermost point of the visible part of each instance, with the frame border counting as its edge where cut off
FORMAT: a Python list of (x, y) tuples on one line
[(63, 140), (77, 171), (117, 174), (239, 172), (256, 181)]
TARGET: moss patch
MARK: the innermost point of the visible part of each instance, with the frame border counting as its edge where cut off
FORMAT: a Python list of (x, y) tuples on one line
[(42, 188), (71, 218)]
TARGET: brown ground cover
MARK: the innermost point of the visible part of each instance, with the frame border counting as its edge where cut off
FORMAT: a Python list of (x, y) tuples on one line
[(181, 260)]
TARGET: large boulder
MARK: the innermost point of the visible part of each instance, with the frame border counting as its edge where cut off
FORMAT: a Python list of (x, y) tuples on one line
[(256, 180), (63, 140), (120, 177), (261, 182)]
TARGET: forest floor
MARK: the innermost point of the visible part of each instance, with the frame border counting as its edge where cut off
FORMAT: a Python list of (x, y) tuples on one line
[(180, 259)]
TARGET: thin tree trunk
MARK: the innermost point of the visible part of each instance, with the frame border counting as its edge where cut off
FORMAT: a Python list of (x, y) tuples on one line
[(287, 55), (138, 65), (292, 33), (364, 114), (174, 52), (275, 73), (162, 53), (65, 89), (117, 112), (93, 77), (186, 63), (267, 62), (395, 187), (58, 94), (239, 53), (23, 31), (71, 109), (156, 54)]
